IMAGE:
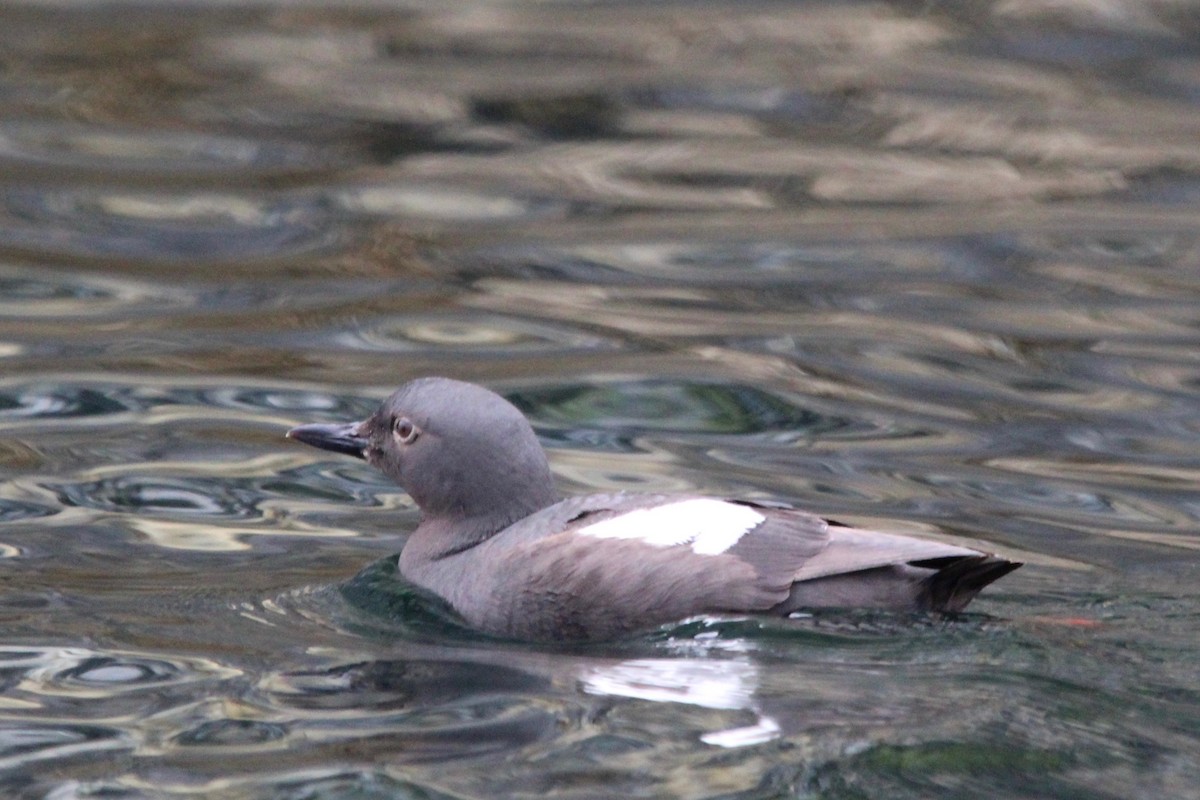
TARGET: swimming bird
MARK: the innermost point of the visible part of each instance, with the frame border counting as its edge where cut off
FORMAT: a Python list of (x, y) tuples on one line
[(498, 545)]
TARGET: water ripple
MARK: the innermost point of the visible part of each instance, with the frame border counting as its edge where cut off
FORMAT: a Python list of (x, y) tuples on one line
[(171, 153), (77, 684), (409, 705), (441, 203), (194, 512), (239, 733), (60, 401), (180, 497), (477, 334), (386, 687), (84, 674), (723, 264), (25, 745), (158, 402), (14, 510), (191, 228), (252, 398), (652, 406), (37, 294)]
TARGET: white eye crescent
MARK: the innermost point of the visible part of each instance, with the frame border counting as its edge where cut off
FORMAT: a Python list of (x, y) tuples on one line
[(404, 430)]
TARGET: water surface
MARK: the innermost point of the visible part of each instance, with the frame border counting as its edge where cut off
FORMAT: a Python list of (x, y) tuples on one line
[(928, 267)]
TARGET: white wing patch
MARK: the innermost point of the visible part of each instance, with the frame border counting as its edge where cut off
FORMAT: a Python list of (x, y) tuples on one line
[(710, 526)]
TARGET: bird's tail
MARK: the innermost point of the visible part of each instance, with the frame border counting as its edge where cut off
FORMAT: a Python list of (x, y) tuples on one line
[(958, 580)]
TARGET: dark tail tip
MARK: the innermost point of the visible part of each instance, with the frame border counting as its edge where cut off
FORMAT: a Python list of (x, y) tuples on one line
[(955, 585)]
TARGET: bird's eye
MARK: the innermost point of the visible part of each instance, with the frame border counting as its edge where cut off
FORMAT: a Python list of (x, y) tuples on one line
[(404, 431)]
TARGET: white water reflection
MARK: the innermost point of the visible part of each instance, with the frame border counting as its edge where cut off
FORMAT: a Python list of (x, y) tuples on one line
[(726, 684)]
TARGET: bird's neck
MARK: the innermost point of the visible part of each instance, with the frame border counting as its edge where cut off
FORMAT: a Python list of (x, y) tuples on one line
[(441, 536)]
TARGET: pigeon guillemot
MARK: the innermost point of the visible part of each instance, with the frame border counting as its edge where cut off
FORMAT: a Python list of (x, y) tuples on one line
[(496, 543)]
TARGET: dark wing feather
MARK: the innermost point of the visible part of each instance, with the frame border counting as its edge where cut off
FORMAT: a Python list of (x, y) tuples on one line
[(779, 547), (953, 586)]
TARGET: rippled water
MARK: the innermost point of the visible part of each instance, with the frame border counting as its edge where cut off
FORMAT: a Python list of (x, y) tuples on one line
[(932, 267)]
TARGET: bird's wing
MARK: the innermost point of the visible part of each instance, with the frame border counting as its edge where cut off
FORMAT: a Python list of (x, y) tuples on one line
[(856, 549), (639, 563)]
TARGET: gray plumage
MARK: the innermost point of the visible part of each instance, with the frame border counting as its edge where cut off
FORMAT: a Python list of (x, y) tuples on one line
[(495, 544)]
